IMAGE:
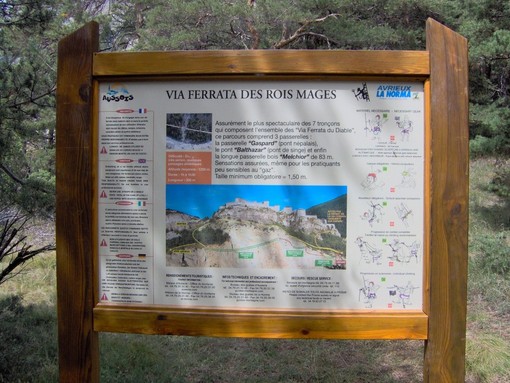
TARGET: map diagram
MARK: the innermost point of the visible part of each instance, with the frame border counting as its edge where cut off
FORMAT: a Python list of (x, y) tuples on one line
[(243, 233)]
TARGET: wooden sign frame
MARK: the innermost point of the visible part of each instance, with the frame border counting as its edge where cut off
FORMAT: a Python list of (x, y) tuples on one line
[(443, 70)]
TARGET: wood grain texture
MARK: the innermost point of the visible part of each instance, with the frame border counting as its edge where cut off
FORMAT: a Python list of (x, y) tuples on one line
[(445, 348), (261, 324), (267, 62), (427, 201), (78, 345)]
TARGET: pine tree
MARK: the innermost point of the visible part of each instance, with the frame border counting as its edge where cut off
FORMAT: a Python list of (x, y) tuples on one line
[(27, 89)]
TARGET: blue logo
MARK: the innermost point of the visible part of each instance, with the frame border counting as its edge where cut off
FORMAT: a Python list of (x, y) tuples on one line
[(396, 91), (117, 92)]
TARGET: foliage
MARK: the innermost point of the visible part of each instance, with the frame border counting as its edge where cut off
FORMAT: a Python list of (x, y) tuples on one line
[(332, 241), (29, 31), (28, 350), (211, 236), (328, 24), (325, 240), (489, 357), (489, 241), (490, 132), (322, 210), (185, 238), (310, 24), (500, 184), (485, 23), (28, 347), (494, 256), (205, 235), (27, 86), (14, 252)]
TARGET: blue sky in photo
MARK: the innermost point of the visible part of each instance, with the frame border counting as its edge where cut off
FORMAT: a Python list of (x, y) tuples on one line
[(204, 200)]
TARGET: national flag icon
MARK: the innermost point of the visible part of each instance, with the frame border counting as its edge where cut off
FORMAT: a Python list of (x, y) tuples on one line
[(142, 110), (104, 297), (142, 203), (103, 195), (103, 243), (103, 150)]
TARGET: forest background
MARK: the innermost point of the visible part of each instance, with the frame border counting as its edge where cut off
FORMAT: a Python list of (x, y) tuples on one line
[(29, 33)]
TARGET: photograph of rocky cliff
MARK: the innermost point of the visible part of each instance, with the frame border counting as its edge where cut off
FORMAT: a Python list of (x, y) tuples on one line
[(245, 232)]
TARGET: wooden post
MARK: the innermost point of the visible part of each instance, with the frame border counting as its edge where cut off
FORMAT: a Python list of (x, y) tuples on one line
[(445, 347), (78, 343)]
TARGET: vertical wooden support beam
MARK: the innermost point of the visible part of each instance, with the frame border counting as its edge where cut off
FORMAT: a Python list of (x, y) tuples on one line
[(78, 343), (445, 348)]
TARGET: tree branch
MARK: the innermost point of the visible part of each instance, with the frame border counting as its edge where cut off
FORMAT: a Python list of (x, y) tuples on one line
[(13, 249), (20, 181), (23, 255), (254, 34), (11, 174), (32, 99), (301, 31)]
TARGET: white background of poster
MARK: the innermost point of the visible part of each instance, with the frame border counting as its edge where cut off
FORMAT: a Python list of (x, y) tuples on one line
[(369, 140)]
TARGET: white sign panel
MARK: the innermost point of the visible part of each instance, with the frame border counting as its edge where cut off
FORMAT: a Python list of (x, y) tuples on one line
[(261, 194)]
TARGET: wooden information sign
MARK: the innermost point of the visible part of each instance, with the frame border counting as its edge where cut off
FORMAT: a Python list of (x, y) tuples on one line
[(273, 194)]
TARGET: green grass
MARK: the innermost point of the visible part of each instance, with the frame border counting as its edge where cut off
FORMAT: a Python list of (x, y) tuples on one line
[(489, 243), (136, 358), (488, 357), (488, 337), (28, 340), (28, 347)]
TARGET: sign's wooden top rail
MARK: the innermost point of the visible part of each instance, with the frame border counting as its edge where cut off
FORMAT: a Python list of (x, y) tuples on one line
[(265, 62)]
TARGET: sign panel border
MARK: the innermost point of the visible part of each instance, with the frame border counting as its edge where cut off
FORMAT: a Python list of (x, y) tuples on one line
[(290, 323)]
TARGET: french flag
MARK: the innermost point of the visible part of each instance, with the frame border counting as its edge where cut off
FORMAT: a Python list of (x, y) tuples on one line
[(142, 110)]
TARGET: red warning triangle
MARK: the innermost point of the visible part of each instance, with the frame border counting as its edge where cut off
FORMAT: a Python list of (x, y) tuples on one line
[(103, 150), (103, 243), (104, 297), (103, 194)]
